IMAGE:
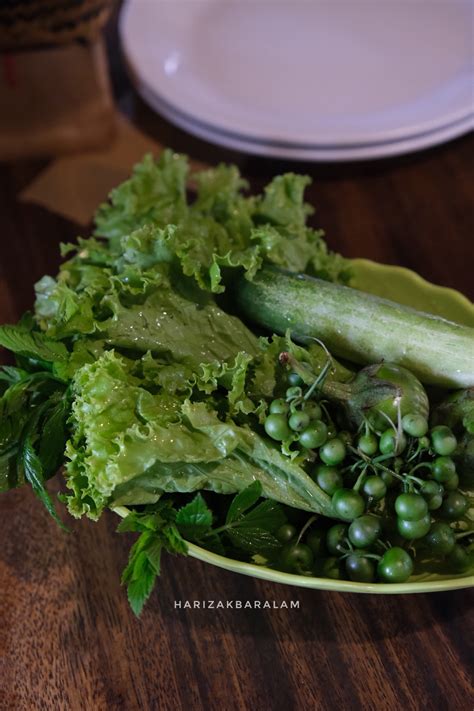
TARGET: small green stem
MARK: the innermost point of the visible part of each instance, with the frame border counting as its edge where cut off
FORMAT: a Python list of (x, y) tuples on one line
[(464, 534), (308, 523), (391, 422), (415, 479), (337, 391), (360, 479), (427, 465), (295, 403), (214, 531), (382, 458), (296, 397), (319, 380), (389, 471), (361, 554)]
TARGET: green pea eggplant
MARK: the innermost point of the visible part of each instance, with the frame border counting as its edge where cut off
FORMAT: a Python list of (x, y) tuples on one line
[(457, 412)]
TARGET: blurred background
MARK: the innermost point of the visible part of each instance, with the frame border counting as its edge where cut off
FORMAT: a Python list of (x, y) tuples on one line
[(303, 80), (365, 96)]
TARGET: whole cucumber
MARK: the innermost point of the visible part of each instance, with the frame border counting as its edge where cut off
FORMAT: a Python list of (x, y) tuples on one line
[(360, 327)]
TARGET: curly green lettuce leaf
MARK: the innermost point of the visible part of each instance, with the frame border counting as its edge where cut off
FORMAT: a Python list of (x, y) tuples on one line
[(232, 377), (113, 419), (130, 446), (282, 202), (177, 329), (155, 238), (135, 308), (144, 338), (154, 194), (258, 458), (205, 250), (223, 228), (62, 312), (219, 193)]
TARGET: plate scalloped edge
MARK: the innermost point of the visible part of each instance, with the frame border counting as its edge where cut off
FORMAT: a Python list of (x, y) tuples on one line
[(410, 289)]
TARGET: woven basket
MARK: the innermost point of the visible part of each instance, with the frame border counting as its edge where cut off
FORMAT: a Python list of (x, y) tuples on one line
[(27, 24)]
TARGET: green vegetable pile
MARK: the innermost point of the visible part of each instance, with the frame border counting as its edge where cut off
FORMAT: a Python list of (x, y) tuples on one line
[(140, 373)]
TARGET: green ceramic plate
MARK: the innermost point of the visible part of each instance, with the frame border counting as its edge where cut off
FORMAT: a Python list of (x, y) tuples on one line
[(406, 287)]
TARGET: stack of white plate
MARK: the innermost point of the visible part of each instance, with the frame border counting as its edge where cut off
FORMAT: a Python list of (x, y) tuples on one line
[(328, 80)]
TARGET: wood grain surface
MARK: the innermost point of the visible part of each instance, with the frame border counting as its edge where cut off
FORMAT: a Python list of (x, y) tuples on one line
[(67, 637)]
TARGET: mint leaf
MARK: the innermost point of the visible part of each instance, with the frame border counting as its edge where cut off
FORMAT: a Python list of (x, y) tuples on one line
[(243, 501), (158, 531), (153, 553), (135, 523), (139, 590), (32, 344), (141, 571), (173, 541), (194, 519)]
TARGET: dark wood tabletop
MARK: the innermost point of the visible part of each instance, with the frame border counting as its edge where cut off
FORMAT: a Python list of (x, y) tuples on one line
[(68, 639)]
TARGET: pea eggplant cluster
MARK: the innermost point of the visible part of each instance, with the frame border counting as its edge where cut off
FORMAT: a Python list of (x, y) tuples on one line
[(398, 487)]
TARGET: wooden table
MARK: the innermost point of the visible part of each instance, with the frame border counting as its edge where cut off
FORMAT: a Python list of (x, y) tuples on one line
[(67, 637)]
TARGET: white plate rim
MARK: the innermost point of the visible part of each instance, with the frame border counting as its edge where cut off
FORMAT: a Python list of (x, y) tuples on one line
[(312, 153), (243, 133)]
